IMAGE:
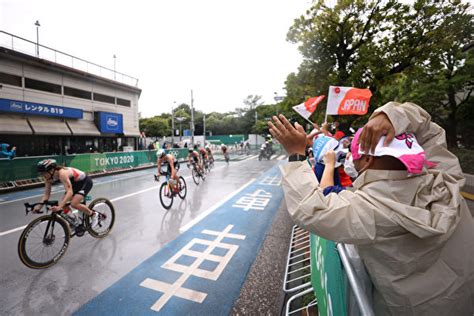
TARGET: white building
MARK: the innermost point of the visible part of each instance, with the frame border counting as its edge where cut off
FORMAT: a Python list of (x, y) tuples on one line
[(52, 102)]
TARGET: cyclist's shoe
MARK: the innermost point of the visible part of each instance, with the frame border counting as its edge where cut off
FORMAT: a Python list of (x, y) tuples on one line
[(95, 219)]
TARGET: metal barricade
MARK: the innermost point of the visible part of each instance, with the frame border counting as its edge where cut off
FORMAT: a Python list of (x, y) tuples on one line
[(363, 302), (298, 265)]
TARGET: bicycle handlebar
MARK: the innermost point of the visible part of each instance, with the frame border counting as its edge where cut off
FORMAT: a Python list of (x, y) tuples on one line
[(30, 207)]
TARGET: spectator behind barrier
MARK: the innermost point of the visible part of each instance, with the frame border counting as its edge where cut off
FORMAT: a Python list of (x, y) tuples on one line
[(411, 227), (6, 151)]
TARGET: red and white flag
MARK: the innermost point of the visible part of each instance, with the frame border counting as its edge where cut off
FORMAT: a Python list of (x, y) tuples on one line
[(308, 107), (348, 101)]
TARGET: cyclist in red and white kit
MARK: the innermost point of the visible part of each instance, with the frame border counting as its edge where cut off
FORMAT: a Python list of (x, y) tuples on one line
[(77, 185)]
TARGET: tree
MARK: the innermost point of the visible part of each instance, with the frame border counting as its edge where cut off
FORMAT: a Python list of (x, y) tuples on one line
[(444, 82), (377, 43), (155, 126)]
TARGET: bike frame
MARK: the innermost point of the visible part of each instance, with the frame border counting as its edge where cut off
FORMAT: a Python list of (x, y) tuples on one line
[(49, 204)]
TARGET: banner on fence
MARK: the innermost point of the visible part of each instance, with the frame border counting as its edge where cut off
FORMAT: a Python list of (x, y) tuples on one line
[(327, 277), (24, 168)]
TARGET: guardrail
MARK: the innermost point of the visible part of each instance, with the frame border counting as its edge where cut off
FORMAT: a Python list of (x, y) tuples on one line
[(31, 48)]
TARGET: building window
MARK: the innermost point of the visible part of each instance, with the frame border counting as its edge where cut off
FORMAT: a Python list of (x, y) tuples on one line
[(78, 93), (123, 102), (42, 85), (10, 79), (104, 98)]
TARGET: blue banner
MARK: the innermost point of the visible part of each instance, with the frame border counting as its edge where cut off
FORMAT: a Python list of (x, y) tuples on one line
[(14, 106), (110, 122)]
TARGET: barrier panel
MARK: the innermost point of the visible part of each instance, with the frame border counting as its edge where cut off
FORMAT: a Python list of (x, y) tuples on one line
[(24, 168), (340, 288), (327, 277)]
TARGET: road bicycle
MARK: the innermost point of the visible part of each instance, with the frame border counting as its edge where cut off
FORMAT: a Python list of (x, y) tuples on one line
[(226, 157), (211, 163), (197, 175), (207, 166), (167, 193), (45, 240)]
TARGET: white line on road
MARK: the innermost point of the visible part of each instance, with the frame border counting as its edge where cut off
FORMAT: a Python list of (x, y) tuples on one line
[(97, 183), (59, 189), (213, 208), (12, 231), (124, 197)]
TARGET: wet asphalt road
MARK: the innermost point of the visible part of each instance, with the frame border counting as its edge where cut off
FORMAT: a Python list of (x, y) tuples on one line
[(91, 265)]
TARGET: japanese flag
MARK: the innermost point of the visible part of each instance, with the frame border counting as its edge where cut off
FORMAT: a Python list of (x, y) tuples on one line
[(348, 101), (308, 107)]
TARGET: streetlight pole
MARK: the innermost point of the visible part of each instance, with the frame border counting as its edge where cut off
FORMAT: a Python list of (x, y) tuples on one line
[(180, 120), (115, 58), (256, 118), (37, 37), (204, 128), (192, 118), (172, 122)]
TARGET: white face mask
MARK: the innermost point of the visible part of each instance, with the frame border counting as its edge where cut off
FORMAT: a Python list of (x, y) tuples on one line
[(350, 169)]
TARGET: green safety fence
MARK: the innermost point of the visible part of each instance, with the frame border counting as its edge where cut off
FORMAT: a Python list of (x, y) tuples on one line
[(327, 277), (226, 139), (24, 168)]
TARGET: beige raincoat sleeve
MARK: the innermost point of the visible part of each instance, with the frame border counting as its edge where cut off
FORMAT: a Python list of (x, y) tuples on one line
[(412, 118), (345, 217)]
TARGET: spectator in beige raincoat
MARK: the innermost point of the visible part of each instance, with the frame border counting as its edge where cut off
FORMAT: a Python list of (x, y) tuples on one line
[(414, 232)]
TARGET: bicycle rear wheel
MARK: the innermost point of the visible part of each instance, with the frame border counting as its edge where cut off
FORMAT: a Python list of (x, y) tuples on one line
[(182, 188), (196, 177), (106, 211), (43, 242), (166, 197)]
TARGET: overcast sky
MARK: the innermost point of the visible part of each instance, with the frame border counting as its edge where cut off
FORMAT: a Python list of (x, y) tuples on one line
[(223, 50)]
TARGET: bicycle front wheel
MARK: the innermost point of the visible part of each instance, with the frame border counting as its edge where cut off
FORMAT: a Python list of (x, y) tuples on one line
[(196, 177), (106, 211), (166, 197), (43, 242), (182, 188)]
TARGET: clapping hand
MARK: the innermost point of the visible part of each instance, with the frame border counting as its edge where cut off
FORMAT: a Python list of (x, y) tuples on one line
[(292, 138)]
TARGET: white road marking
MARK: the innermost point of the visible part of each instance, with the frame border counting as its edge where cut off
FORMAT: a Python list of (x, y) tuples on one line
[(12, 230), (176, 289), (58, 189), (213, 208), (187, 226)]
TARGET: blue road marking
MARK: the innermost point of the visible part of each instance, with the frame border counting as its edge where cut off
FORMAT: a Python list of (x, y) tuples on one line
[(223, 246)]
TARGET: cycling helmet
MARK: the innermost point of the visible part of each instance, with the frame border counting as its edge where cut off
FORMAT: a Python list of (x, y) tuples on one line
[(46, 165), (160, 153), (191, 149), (207, 147)]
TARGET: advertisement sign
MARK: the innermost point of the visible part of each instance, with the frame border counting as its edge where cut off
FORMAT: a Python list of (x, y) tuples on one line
[(14, 106), (327, 277), (110, 123), (348, 101)]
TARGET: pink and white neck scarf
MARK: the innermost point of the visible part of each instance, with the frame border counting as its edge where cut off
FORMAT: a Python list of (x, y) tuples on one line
[(404, 147)]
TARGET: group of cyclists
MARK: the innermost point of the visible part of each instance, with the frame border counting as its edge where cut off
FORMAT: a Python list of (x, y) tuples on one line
[(78, 184), (197, 156)]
